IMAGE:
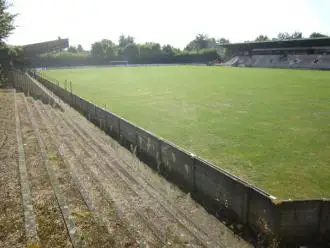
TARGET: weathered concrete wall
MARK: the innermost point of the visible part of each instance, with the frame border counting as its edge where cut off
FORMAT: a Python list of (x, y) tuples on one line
[(30, 87), (226, 196)]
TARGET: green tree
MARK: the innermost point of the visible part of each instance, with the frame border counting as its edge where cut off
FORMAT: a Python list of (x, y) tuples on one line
[(150, 50), (297, 35), (212, 43), (155, 48), (109, 47), (168, 50), (131, 51), (72, 49), (177, 51), (317, 35), (223, 52), (104, 48), (6, 53), (6, 21), (201, 41), (283, 36), (80, 48), (191, 46), (223, 41), (287, 36), (124, 41), (262, 37), (97, 50)]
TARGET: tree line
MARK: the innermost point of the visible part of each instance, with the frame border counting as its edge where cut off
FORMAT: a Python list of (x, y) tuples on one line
[(6, 52), (288, 36), (200, 49)]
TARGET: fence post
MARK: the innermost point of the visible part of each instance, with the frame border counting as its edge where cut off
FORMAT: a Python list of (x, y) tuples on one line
[(71, 92), (95, 110), (136, 148), (159, 159), (24, 83), (119, 133), (194, 188), (27, 84), (89, 112)]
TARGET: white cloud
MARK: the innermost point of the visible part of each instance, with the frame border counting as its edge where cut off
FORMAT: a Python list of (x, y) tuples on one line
[(173, 22)]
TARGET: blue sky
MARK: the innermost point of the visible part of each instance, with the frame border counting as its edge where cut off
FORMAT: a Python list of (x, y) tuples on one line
[(174, 22)]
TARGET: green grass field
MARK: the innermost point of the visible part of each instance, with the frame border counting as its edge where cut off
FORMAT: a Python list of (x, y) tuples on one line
[(270, 127)]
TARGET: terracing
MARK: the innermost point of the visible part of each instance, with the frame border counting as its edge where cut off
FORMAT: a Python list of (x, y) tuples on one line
[(80, 188), (297, 54)]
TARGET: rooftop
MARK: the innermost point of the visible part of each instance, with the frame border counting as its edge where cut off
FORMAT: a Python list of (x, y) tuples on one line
[(315, 42)]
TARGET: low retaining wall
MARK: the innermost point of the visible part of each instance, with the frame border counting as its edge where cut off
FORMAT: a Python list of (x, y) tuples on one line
[(224, 195), (27, 84)]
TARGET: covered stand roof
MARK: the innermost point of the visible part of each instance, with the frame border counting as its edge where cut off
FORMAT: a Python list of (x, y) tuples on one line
[(281, 44), (45, 47)]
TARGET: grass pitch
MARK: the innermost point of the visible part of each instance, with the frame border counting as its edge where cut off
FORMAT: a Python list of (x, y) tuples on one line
[(270, 127)]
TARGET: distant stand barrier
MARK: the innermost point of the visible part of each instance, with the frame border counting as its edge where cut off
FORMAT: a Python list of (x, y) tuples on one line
[(243, 206), (298, 61)]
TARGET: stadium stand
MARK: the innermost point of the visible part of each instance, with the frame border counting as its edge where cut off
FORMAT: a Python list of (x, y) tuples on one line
[(301, 53), (233, 61), (45, 47)]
